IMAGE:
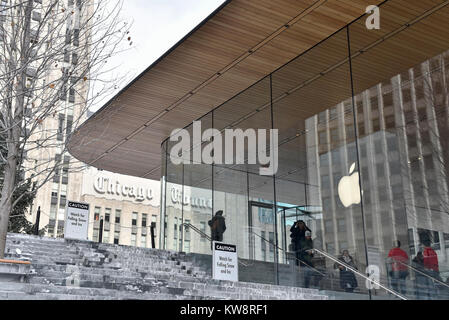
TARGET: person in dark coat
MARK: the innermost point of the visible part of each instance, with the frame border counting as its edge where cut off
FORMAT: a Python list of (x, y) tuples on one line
[(217, 226), (297, 235), (422, 282), (348, 281), (305, 257)]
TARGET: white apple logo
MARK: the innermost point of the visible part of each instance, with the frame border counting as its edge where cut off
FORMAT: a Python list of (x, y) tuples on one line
[(349, 188)]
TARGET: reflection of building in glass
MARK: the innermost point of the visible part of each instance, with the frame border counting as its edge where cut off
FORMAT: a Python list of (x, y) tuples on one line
[(402, 127)]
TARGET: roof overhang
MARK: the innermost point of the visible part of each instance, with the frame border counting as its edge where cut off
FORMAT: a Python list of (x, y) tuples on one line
[(236, 46)]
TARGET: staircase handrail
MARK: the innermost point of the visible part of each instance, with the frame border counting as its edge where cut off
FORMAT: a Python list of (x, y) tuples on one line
[(201, 233), (204, 235), (329, 256), (346, 266), (423, 273), (274, 245)]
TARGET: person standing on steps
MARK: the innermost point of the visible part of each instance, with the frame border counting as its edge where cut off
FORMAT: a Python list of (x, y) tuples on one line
[(348, 281), (297, 235), (217, 226), (421, 279), (306, 256), (398, 261), (431, 267)]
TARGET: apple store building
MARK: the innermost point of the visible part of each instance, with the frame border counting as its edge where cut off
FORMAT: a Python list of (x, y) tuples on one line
[(362, 120)]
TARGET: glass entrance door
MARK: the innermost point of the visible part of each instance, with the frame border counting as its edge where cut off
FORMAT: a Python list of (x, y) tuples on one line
[(262, 231), (311, 215), (288, 216), (265, 227)]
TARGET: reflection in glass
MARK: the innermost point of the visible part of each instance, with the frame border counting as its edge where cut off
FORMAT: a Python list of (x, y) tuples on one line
[(363, 160)]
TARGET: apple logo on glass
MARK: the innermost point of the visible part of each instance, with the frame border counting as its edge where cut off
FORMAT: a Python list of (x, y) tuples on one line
[(349, 188)]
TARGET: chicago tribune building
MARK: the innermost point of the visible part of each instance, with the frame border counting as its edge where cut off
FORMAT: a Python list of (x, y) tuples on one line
[(127, 205), (362, 115)]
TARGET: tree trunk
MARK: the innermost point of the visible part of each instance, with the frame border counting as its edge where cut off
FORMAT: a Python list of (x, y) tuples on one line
[(14, 119), (6, 202), (9, 182)]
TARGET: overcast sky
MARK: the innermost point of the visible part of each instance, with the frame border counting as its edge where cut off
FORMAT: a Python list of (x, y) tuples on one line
[(156, 26)]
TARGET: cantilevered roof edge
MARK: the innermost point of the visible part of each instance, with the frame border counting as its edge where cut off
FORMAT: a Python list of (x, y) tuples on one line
[(152, 65)]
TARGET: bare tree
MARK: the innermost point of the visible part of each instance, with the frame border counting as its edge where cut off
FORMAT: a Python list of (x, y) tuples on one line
[(51, 54)]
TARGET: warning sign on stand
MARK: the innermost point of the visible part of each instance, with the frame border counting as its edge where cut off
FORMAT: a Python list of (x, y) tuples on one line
[(76, 221), (225, 262)]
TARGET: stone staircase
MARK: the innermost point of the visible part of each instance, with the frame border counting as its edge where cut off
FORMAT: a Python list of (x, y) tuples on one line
[(75, 270)]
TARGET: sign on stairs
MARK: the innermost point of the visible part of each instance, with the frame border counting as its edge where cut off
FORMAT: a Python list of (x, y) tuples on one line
[(76, 221), (225, 262)]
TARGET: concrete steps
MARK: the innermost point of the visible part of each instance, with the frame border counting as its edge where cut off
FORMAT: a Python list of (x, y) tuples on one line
[(108, 271)]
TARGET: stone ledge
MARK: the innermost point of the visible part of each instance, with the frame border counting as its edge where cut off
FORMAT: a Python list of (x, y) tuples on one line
[(14, 270), (14, 261)]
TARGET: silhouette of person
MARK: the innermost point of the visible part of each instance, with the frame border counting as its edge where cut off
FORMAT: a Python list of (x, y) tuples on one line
[(217, 226)]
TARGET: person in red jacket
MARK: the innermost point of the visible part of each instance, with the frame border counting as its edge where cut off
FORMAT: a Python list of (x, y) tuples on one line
[(398, 259), (430, 259)]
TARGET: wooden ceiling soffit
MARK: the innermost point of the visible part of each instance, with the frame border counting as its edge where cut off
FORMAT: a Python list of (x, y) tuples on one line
[(239, 45)]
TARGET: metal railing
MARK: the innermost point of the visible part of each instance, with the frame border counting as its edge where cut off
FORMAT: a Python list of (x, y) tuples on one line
[(423, 273), (325, 254), (360, 274), (297, 259), (201, 233), (336, 260), (204, 235)]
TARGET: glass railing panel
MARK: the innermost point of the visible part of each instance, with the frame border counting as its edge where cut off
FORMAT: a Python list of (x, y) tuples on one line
[(316, 269), (338, 277)]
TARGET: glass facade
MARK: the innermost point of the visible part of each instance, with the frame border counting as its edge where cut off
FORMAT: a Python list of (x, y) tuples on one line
[(362, 121)]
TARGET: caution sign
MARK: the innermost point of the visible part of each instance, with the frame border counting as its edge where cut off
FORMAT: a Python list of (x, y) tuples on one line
[(76, 221), (225, 262)]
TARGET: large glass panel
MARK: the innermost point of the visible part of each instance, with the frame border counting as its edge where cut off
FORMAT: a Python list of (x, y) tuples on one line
[(231, 196), (262, 224), (247, 112), (198, 199), (317, 182), (163, 212), (261, 228), (400, 84), (175, 198)]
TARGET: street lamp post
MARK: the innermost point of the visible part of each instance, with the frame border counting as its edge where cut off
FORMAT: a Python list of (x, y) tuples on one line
[(38, 218), (153, 225), (100, 235)]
